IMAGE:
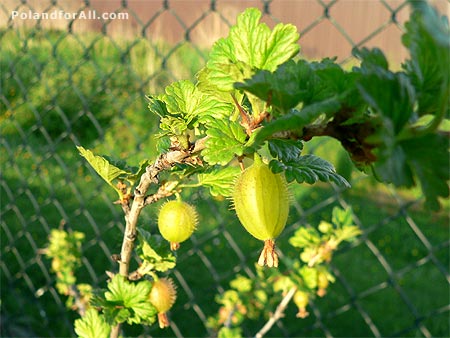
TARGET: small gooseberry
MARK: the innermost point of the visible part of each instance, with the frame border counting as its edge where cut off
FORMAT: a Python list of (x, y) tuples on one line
[(177, 221), (163, 295)]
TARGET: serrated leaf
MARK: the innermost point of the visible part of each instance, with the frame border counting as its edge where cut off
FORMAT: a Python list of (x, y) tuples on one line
[(250, 45), (305, 237), (226, 139), (391, 95), (371, 59), (286, 87), (92, 325), (241, 284), (427, 39), (301, 82), (133, 298), (154, 252), (184, 98), (309, 276), (428, 158), (342, 217), (219, 181), (157, 106), (309, 169), (103, 167), (347, 233), (163, 144), (285, 150), (184, 106), (296, 119)]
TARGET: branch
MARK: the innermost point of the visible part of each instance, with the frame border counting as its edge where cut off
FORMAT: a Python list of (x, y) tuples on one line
[(163, 162), (279, 313)]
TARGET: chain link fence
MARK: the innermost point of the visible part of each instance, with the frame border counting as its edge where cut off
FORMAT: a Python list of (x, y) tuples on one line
[(67, 81)]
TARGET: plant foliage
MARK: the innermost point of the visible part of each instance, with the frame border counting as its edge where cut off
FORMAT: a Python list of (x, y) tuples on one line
[(254, 95)]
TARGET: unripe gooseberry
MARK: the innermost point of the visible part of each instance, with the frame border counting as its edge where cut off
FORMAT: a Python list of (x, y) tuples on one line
[(163, 295), (262, 205), (177, 221), (322, 283), (301, 299)]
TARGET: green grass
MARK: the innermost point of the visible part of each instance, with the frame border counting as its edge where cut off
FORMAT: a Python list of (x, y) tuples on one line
[(53, 81)]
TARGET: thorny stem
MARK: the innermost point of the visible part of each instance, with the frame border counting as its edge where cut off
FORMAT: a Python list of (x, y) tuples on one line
[(163, 162), (279, 313)]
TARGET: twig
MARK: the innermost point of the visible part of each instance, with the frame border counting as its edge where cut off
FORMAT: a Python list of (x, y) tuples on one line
[(164, 161), (279, 313), (79, 304)]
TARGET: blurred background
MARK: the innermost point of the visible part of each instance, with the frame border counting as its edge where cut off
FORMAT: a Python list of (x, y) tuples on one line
[(67, 82)]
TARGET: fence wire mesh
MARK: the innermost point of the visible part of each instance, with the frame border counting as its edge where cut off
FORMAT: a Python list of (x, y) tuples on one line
[(66, 82)]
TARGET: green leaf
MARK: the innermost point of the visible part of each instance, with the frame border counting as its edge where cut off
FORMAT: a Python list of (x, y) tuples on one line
[(241, 284), (92, 325), (428, 158), (226, 332), (305, 237), (219, 180), (309, 169), (134, 307), (342, 217), (184, 106), (184, 98), (347, 233), (301, 82), (296, 119), (103, 167), (226, 139), (427, 39), (285, 150), (133, 178), (285, 88), (154, 252), (371, 59), (345, 228), (391, 95), (250, 45), (309, 276)]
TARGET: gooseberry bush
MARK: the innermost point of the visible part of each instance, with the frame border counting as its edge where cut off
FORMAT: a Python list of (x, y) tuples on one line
[(239, 132)]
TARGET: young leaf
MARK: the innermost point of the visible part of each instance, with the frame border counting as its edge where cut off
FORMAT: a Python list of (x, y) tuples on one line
[(92, 325), (184, 98), (220, 181), (227, 332), (309, 169), (250, 45), (226, 139), (154, 252), (184, 106), (103, 167), (305, 237), (342, 217), (131, 301)]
